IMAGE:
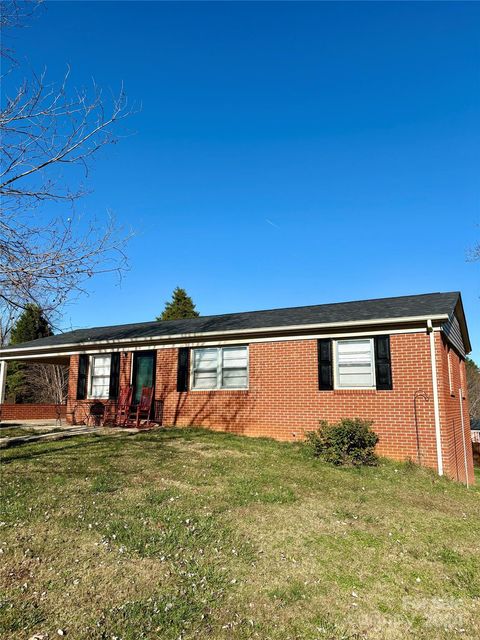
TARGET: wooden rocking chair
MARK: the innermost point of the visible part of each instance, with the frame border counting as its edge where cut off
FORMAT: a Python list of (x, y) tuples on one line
[(123, 406), (142, 410)]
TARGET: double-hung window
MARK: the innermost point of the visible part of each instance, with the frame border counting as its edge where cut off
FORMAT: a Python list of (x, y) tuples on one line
[(99, 376), (354, 364), (219, 368)]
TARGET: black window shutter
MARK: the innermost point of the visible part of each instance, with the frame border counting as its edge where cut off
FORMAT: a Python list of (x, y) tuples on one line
[(114, 376), (82, 377), (182, 370), (383, 364), (325, 365)]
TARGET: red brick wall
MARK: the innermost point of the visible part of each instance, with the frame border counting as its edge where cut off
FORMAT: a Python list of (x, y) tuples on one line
[(455, 440), (31, 411), (283, 400)]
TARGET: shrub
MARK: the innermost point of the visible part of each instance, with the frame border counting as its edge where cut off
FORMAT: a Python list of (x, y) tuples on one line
[(348, 442)]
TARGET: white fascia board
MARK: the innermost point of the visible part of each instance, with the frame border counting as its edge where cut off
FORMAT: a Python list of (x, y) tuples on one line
[(116, 346)]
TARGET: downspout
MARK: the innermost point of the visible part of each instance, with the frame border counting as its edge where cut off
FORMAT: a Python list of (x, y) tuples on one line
[(436, 409), (3, 380)]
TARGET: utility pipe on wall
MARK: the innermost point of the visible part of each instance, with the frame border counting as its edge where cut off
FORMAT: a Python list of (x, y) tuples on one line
[(436, 409)]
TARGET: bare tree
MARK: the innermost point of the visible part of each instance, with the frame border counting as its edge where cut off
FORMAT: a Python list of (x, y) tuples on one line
[(15, 14), (7, 320), (50, 132), (474, 254), (48, 383)]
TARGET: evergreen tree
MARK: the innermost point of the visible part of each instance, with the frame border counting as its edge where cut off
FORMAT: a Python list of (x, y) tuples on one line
[(180, 306), (473, 387), (31, 325)]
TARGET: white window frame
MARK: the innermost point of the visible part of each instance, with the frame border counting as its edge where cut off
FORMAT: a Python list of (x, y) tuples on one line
[(90, 376), (220, 349), (336, 374)]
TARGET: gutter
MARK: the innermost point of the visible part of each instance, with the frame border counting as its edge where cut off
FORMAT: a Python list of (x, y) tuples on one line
[(436, 408)]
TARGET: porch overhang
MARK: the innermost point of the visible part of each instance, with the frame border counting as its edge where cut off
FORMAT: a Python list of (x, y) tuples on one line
[(44, 358)]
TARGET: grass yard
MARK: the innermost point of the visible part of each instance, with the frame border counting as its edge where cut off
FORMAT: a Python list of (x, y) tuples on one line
[(193, 534)]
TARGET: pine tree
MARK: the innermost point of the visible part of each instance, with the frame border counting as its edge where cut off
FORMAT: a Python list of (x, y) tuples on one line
[(31, 325), (473, 389), (180, 306)]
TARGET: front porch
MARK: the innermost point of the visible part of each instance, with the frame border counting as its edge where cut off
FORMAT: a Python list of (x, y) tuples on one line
[(88, 412), (128, 376)]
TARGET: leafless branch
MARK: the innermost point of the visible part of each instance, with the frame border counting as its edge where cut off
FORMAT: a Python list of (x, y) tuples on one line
[(14, 15), (50, 131), (48, 382), (474, 254)]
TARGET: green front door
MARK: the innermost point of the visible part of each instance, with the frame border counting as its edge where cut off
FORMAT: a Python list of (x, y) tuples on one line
[(143, 372)]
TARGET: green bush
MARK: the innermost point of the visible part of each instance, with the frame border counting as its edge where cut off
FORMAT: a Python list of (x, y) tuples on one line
[(348, 442)]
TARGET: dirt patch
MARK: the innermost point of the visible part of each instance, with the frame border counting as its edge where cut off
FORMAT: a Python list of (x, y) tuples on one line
[(207, 451)]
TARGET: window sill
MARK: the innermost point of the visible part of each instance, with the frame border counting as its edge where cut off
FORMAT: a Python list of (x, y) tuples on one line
[(240, 390), (349, 392), (355, 389)]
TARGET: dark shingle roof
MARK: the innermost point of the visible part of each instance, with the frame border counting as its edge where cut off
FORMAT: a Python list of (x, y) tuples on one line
[(388, 308)]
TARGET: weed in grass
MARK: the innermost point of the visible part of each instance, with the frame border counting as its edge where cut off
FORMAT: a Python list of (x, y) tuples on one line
[(19, 617), (244, 491), (294, 592), (329, 630), (449, 556), (467, 577), (106, 483), (160, 497)]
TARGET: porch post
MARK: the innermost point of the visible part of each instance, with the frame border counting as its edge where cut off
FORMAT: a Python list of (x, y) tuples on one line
[(3, 380)]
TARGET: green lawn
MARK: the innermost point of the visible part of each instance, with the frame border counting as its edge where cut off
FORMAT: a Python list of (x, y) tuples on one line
[(193, 534)]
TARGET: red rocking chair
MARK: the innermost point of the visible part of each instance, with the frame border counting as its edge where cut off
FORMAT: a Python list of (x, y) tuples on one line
[(123, 406), (142, 410)]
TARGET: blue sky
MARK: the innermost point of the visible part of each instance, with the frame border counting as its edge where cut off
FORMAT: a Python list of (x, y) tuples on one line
[(285, 154)]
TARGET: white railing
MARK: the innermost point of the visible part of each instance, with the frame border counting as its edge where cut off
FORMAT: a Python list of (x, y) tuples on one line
[(475, 435)]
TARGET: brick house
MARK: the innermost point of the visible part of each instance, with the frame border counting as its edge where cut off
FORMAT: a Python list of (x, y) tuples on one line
[(398, 361)]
